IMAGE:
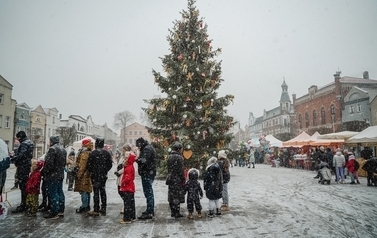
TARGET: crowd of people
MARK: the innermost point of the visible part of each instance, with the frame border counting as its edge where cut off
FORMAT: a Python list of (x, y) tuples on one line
[(87, 173)]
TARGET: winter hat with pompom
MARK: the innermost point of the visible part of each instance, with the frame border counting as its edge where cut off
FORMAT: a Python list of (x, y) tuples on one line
[(85, 142)]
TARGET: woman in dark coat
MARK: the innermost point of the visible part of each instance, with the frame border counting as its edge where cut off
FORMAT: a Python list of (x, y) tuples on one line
[(213, 185), (176, 180)]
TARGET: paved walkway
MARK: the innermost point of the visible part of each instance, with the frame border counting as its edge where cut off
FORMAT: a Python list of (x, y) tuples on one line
[(265, 202)]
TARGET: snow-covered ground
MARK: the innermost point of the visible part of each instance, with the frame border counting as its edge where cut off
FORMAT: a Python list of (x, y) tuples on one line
[(264, 202)]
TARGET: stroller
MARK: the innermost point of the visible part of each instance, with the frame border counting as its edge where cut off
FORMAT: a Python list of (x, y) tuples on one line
[(325, 175)]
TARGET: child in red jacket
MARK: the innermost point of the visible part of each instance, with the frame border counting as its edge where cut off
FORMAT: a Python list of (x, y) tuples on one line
[(33, 187), (127, 188), (352, 170)]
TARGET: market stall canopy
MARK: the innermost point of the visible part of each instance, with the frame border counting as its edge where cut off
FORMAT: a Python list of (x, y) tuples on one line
[(367, 137), (273, 141), (314, 141), (338, 135), (298, 141)]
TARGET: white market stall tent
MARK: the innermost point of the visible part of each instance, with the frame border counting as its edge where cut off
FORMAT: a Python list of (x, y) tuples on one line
[(367, 137), (338, 135), (273, 141)]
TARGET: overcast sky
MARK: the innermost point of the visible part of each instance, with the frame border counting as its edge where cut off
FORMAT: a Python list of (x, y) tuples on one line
[(96, 57)]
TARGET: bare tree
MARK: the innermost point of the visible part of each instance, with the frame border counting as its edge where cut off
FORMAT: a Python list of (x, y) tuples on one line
[(121, 121), (67, 135), (144, 119)]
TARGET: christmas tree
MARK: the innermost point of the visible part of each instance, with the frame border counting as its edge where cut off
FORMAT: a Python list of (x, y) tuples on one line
[(191, 110)]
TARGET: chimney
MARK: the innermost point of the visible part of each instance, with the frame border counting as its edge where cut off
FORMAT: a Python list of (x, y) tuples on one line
[(366, 75)]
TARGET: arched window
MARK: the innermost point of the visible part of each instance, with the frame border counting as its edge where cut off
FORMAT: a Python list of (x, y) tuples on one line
[(323, 116), (332, 111), (306, 119), (314, 118), (300, 121)]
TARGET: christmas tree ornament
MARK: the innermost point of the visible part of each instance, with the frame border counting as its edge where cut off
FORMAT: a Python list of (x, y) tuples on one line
[(189, 76), (187, 154)]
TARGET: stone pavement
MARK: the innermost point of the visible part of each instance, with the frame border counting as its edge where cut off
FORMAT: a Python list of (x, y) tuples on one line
[(264, 202)]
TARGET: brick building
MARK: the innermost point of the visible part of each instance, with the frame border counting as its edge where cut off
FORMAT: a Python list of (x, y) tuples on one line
[(321, 109)]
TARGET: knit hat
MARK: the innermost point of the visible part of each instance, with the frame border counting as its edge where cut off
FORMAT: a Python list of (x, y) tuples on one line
[(351, 157), (85, 142), (222, 154)]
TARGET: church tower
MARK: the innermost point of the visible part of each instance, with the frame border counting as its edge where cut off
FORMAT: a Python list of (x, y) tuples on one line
[(285, 101)]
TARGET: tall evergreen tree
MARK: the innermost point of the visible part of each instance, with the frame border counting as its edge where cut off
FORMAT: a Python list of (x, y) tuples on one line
[(190, 110)]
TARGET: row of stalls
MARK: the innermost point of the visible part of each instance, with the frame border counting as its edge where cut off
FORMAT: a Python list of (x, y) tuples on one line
[(300, 147)]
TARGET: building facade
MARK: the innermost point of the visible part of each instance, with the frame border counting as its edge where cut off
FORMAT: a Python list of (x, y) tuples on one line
[(322, 108), (38, 131), (7, 113), (133, 132), (52, 124)]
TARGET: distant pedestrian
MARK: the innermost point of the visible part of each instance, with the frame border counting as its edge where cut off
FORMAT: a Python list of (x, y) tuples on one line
[(126, 150), (99, 164), (194, 193), (33, 187), (339, 162), (352, 169), (147, 170), (127, 188), (252, 157), (4, 164), (223, 162), (83, 183), (370, 166), (53, 171), (70, 166), (213, 186), (176, 180), (22, 161)]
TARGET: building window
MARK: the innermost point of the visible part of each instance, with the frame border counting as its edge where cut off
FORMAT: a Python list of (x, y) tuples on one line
[(352, 109), (307, 120), (300, 121), (332, 109), (140, 133), (359, 108), (53, 120), (23, 115), (1, 98), (323, 116), (7, 122), (314, 118), (135, 132), (1, 121), (130, 141), (38, 119)]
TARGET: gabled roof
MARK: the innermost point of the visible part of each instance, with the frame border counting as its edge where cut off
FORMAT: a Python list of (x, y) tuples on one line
[(23, 105), (4, 82)]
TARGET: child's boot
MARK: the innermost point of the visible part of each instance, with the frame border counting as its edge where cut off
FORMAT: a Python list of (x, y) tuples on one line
[(211, 214), (200, 215), (218, 212), (190, 216)]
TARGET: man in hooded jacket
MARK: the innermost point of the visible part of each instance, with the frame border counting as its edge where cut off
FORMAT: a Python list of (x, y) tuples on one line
[(147, 170), (53, 173), (99, 164), (22, 161)]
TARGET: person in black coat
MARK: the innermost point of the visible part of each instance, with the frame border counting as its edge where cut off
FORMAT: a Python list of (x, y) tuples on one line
[(370, 167), (99, 164), (53, 173), (147, 170), (194, 193), (176, 181), (213, 185), (22, 160)]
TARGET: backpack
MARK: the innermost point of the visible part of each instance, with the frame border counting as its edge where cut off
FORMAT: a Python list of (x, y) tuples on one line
[(356, 165)]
